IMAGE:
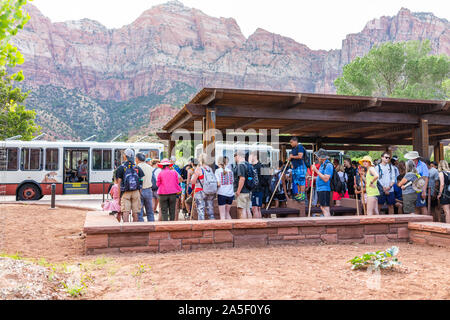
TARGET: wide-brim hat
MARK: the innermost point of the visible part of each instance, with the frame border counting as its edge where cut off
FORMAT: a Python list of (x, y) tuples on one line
[(165, 163), (412, 155), (366, 158), (321, 154)]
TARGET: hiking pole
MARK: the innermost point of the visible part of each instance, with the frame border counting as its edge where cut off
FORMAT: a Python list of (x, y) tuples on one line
[(356, 197), (311, 195), (429, 200), (278, 184), (192, 206)]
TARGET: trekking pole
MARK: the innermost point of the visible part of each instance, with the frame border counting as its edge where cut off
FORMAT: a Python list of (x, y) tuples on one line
[(429, 200), (311, 195), (363, 200), (278, 184), (192, 206), (356, 197)]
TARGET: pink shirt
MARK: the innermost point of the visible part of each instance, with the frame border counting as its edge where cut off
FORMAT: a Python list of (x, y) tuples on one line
[(167, 182)]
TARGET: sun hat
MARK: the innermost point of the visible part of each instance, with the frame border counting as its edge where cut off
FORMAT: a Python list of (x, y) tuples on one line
[(366, 158), (412, 155), (165, 163), (321, 154)]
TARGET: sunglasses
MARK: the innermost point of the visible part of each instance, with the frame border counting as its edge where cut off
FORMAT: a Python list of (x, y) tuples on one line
[(387, 157)]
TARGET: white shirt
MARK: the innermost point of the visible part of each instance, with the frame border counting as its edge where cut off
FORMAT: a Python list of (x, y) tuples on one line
[(387, 175), (226, 183), (147, 179)]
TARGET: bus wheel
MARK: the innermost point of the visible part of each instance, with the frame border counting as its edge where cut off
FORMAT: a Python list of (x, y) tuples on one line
[(29, 192)]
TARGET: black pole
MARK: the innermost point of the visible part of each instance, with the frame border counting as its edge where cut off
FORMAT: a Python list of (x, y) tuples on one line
[(53, 196), (103, 191)]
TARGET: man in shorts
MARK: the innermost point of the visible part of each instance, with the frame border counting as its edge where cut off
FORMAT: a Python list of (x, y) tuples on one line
[(242, 193), (323, 184), (130, 201)]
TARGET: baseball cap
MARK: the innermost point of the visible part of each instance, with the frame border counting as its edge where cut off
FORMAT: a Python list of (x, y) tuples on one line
[(129, 153), (148, 159)]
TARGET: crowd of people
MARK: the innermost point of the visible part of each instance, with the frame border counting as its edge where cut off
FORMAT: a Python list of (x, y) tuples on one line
[(383, 185)]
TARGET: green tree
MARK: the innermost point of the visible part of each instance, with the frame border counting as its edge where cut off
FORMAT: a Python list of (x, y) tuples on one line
[(14, 118), (400, 70)]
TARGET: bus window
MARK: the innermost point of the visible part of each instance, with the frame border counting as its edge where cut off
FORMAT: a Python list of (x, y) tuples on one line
[(101, 159), (153, 153), (118, 157), (31, 159), (11, 157), (51, 159)]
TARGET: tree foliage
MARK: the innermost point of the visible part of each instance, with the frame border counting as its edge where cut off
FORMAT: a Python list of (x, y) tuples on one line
[(14, 118), (398, 70)]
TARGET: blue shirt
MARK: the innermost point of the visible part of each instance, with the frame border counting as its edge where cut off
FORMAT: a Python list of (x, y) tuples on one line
[(326, 169), (398, 192), (422, 169), (295, 151)]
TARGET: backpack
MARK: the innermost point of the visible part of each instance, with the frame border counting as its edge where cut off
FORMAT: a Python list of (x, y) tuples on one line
[(251, 180), (131, 181), (154, 186), (184, 172), (380, 173), (274, 181), (447, 181), (210, 182), (336, 184)]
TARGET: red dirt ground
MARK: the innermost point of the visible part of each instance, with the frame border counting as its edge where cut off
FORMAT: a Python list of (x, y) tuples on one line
[(290, 272)]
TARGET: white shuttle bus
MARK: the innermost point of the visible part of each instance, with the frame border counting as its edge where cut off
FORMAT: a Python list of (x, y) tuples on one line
[(29, 168)]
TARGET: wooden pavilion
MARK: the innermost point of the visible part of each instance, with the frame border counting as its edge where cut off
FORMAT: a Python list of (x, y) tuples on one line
[(327, 121)]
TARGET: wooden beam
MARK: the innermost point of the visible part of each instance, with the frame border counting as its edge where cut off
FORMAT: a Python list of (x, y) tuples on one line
[(294, 102), (438, 107), (213, 98), (354, 148), (311, 115), (344, 128), (371, 104), (293, 128), (437, 119), (163, 135), (245, 123), (387, 131)]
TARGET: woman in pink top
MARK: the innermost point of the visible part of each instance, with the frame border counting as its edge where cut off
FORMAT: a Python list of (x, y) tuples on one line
[(168, 183)]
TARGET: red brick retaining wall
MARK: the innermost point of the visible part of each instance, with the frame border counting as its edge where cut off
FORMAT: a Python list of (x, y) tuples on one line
[(105, 235), (431, 233)]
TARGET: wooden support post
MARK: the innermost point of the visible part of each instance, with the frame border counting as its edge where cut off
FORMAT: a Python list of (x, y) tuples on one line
[(421, 139), (210, 136), (439, 152), (171, 148), (283, 153)]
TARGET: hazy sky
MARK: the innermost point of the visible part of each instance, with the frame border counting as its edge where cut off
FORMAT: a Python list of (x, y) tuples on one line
[(320, 24)]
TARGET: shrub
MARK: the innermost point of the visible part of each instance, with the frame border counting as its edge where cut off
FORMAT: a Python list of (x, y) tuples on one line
[(376, 260)]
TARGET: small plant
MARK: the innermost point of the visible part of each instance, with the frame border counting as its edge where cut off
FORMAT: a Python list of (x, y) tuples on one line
[(142, 268), (376, 260), (15, 256), (101, 261), (73, 290)]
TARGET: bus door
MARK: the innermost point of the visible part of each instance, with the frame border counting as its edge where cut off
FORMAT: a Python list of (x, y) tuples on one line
[(75, 181)]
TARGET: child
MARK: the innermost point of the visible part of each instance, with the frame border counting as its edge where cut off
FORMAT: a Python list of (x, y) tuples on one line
[(343, 177), (398, 196), (114, 205)]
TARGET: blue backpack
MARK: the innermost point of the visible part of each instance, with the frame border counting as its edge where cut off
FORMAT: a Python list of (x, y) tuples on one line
[(131, 181)]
